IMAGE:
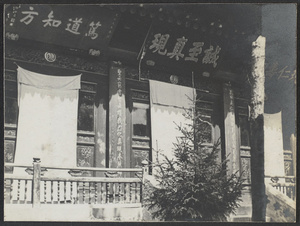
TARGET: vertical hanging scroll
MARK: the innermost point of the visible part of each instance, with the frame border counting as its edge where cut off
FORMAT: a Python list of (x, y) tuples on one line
[(117, 115)]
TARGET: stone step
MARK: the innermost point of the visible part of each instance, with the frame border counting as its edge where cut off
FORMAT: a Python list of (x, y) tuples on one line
[(241, 219), (118, 212)]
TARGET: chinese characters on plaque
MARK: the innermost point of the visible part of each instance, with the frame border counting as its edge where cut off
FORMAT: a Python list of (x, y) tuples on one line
[(209, 55), (73, 25)]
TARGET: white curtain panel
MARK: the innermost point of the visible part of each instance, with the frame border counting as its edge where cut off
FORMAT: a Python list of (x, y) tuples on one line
[(47, 123), (168, 104), (47, 129), (273, 145)]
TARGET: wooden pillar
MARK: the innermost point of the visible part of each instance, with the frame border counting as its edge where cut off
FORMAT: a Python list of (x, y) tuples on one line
[(232, 149), (257, 80), (294, 153), (117, 116), (36, 182)]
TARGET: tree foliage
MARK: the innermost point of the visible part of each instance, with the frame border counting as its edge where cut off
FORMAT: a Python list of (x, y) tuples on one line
[(195, 184)]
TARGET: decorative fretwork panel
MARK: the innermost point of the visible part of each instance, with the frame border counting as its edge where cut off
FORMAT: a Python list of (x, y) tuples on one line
[(85, 139), (288, 163), (139, 156), (204, 110), (10, 132), (85, 157), (140, 95), (244, 136), (246, 170), (90, 87), (9, 153), (140, 143)]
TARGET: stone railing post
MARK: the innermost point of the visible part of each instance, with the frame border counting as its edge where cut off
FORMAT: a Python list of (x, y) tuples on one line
[(36, 182), (145, 169)]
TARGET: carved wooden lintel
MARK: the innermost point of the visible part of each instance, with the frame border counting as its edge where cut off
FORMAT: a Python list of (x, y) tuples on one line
[(62, 60)]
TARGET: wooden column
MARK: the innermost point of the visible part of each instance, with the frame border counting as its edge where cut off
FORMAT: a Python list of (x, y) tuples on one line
[(257, 80), (232, 149), (117, 116), (36, 182), (294, 153)]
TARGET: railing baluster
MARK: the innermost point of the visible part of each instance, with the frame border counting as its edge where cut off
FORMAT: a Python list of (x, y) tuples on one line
[(114, 192), (8, 190), (65, 192), (119, 191), (45, 192), (141, 192), (18, 192), (51, 191), (96, 192), (107, 192), (125, 193), (103, 192), (90, 193), (14, 192), (55, 191), (130, 192), (48, 191), (294, 192), (93, 192), (136, 192), (41, 196), (25, 193), (11, 191), (58, 192), (22, 191), (78, 193), (71, 192), (285, 190), (83, 192), (29, 191)]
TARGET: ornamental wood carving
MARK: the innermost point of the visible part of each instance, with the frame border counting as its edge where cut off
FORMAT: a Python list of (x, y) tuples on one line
[(62, 60)]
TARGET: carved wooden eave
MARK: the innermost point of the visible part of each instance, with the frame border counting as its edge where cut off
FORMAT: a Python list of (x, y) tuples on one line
[(231, 23), (197, 16)]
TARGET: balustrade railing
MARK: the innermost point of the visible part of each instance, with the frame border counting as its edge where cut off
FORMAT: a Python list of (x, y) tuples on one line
[(39, 189), (284, 184)]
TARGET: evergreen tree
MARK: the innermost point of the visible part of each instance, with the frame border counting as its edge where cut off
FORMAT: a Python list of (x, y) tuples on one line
[(195, 184)]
